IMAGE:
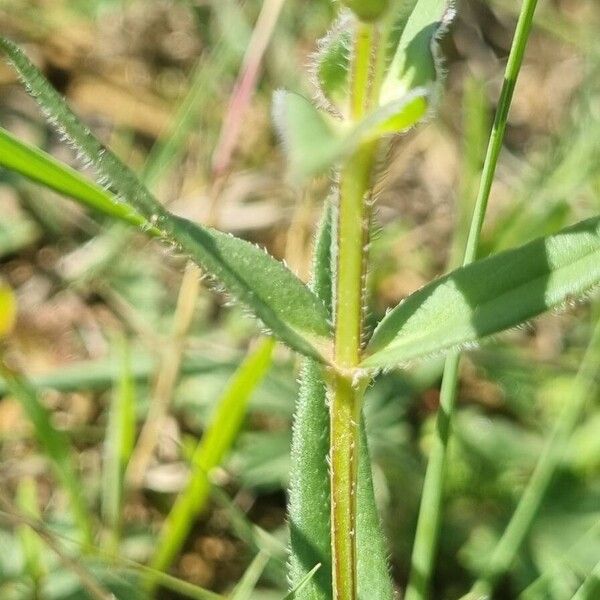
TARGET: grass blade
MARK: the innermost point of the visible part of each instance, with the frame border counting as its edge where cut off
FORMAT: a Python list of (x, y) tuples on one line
[(243, 590), (55, 445), (250, 275), (425, 545), (490, 296), (42, 168), (118, 444), (27, 501), (294, 594), (215, 443), (101, 374)]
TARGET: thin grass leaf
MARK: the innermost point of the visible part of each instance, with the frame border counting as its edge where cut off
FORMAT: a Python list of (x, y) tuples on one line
[(55, 444), (212, 448), (101, 374), (118, 445), (27, 501), (42, 168), (254, 536), (425, 544), (275, 295), (295, 593), (490, 296), (243, 590)]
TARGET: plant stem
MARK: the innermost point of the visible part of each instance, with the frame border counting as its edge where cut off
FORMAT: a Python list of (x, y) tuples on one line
[(429, 513), (584, 386), (346, 395)]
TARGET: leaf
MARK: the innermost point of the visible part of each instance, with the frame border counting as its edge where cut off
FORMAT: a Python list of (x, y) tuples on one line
[(314, 141), (374, 580), (43, 168), (275, 295), (28, 502), (294, 594), (308, 135), (118, 445), (216, 441), (309, 494), (330, 65), (8, 309), (490, 296), (309, 491), (247, 584), (416, 63)]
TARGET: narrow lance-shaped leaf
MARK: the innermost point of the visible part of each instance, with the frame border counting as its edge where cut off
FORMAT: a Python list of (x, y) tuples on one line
[(416, 63), (490, 296), (330, 65), (309, 494), (265, 285)]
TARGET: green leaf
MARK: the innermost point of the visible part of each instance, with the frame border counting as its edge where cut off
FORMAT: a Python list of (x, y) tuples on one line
[(284, 304), (309, 138), (43, 168), (28, 502), (314, 141), (490, 296), (294, 594), (247, 584), (216, 442), (309, 491), (416, 61), (309, 494), (118, 445), (331, 63)]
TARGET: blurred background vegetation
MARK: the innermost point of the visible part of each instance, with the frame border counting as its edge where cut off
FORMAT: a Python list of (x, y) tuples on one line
[(103, 318)]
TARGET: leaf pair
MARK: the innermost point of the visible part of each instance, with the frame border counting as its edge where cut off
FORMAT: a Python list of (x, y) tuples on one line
[(314, 140), (462, 307)]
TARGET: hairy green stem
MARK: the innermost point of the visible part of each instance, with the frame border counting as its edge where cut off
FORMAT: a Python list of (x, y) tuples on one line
[(346, 395), (425, 544)]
